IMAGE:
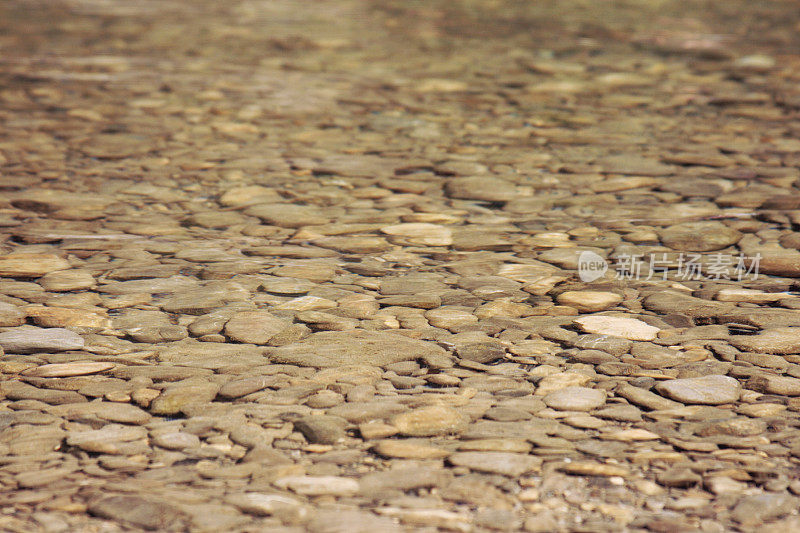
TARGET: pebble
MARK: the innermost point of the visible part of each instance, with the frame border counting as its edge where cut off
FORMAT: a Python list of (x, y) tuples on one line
[(644, 398), (481, 188), (67, 280), (345, 520), (430, 421), (496, 445), (780, 341), (177, 440), (588, 468), (503, 463), (11, 315), (140, 512), (256, 280), (771, 384), (678, 477), (431, 518), (59, 370), (560, 380), (627, 328), (286, 508), (32, 340), (700, 236), (254, 327), (407, 450), (589, 301), (287, 215), (402, 478), (334, 349), (77, 320), (322, 429), (111, 439), (318, 485), (759, 508), (419, 234), (179, 395), (30, 265), (706, 390), (575, 399), (724, 485), (122, 413)]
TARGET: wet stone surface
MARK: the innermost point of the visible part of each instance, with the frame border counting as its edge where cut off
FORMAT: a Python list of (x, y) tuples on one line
[(354, 266)]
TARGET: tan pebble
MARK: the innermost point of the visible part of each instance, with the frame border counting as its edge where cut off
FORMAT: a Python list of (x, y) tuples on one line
[(584, 421), (496, 445), (529, 495), (31, 265), (445, 380), (560, 380), (318, 485), (143, 397), (429, 421), (419, 233), (761, 409), (562, 310), (749, 295), (575, 399), (629, 435), (59, 370), (317, 448), (117, 396), (375, 429), (408, 450), (589, 301)]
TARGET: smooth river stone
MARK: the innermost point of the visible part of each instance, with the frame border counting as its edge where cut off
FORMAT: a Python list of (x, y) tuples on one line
[(771, 384), (136, 511), (503, 463), (699, 236), (705, 390), (319, 485), (35, 340), (337, 348), (288, 215), (11, 315), (781, 341), (254, 327), (430, 421), (420, 234), (60, 370), (27, 265), (627, 328), (589, 301), (575, 399)]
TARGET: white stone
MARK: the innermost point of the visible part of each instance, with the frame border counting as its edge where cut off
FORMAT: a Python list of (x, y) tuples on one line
[(627, 328)]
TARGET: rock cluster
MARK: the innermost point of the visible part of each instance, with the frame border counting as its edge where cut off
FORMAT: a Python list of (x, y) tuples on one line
[(324, 266)]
